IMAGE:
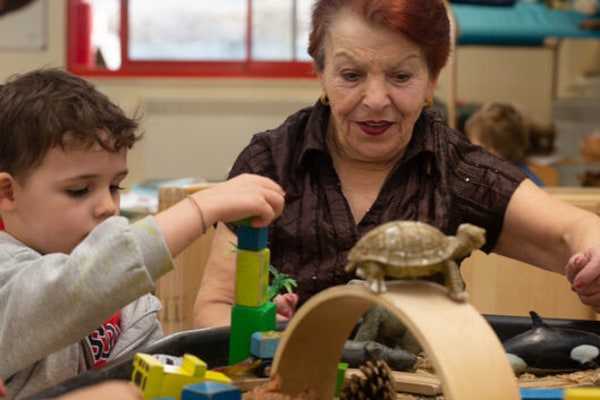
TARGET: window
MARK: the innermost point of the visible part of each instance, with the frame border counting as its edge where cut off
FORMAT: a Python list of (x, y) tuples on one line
[(236, 38)]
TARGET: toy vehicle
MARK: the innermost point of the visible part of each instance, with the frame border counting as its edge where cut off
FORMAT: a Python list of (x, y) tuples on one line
[(263, 346), (157, 380)]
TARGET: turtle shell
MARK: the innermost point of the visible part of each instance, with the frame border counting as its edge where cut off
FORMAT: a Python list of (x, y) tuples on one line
[(403, 244)]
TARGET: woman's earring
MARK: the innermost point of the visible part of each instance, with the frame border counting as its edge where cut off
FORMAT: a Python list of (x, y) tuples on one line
[(324, 99), (428, 102)]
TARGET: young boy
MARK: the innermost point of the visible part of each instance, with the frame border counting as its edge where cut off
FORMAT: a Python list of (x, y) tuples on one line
[(75, 277)]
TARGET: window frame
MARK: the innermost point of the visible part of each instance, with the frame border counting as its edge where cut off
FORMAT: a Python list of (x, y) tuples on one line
[(174, 69)]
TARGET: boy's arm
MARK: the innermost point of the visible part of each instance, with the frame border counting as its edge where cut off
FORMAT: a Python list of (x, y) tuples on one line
[(238, 198), (50, 302)]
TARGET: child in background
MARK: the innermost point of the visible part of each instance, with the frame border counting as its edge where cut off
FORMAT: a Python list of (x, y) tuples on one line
[(75, 278), (502, 130)]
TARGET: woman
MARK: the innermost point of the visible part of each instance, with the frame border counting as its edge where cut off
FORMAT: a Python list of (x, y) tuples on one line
[(370, 152)]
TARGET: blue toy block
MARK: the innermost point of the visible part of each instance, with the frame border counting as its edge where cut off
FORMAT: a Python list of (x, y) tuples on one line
[(541, 394), (250, 238), (210, 390), (264, 344)]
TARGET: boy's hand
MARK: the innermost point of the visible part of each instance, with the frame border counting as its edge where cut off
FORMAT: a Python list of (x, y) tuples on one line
[(114, 390), (242, 197)]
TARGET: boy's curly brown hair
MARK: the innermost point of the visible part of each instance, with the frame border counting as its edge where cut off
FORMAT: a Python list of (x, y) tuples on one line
[(40, 109)]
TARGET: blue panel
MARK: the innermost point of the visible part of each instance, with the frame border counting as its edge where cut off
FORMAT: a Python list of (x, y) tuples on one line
[(541, 394), (522, 24)]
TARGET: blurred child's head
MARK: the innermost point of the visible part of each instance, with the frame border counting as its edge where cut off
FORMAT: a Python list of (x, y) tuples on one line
[(501, 129), (46, 108)]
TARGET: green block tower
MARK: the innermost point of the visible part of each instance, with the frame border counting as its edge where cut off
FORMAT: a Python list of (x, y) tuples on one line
[(252, 311)]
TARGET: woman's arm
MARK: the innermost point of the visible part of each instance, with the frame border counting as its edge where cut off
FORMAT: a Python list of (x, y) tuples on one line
[(217, 288), (543, 231)]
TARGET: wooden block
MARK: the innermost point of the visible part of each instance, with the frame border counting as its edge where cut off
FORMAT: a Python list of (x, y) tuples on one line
[(542, 394), (211, 391), (244, 322), (341, 377), (264, 344), (582, 393), (250, 238), (469, 363), (252, 277), (409, 382)]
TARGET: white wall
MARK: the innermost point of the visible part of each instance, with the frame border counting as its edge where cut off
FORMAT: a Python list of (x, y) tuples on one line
[(520, 75)]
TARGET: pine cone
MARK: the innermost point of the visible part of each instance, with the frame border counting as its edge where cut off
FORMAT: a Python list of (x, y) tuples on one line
[(375, 384)]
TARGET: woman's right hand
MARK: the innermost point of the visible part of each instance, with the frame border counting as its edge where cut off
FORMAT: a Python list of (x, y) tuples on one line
[(286, 305)]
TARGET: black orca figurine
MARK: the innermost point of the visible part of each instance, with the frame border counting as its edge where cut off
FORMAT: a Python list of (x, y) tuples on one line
[(544, 350)]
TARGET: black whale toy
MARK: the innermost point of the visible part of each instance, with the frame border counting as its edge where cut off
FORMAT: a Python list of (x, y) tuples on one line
[(544, 350)]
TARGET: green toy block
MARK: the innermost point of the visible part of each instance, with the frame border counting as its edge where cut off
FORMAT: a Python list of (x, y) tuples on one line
[(252, 277), (341, 377), (244, 322), (245, 221)]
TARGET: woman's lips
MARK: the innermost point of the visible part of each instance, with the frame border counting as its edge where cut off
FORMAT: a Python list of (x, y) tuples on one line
[(374, 128)]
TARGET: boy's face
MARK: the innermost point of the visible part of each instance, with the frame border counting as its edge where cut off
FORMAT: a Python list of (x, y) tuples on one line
[(71, 192)]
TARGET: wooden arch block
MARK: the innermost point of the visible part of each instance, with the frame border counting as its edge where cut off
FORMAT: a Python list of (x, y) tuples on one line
[(464, 350)]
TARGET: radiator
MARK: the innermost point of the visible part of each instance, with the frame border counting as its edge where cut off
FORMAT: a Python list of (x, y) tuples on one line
[(201, 137)]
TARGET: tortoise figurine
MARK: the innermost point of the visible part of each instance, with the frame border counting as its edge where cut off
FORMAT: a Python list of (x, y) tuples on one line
[(411, 249)]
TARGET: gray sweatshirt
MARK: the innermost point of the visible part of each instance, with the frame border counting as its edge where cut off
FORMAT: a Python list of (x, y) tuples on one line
[(50, 303)]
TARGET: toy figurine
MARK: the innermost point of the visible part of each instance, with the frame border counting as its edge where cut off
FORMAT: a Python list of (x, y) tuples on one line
[(410, 249), (544, 350), (356, 353), (382, 326)]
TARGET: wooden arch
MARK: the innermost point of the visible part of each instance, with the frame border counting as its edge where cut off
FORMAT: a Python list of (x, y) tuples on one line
[(467, 356)]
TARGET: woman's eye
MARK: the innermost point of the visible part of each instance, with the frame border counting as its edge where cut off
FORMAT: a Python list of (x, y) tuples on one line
[(401, 77), (350, 76), (78, 192)]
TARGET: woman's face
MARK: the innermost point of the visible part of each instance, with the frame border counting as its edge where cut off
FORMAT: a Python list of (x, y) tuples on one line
[(377, 82)]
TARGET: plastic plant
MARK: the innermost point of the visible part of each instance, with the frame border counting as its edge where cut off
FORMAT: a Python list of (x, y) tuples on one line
[(280, 281)]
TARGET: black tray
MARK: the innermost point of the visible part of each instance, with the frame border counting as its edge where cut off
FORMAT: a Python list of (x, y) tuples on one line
[(212, 345)]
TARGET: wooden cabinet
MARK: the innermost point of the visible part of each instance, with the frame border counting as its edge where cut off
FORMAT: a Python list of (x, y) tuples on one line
[(177, 289), (500, 285)]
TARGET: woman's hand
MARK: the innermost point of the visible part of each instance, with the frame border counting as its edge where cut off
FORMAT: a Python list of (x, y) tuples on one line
[(583, 271), (286, 305)]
